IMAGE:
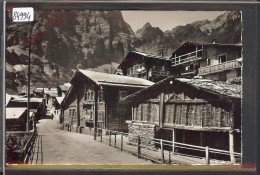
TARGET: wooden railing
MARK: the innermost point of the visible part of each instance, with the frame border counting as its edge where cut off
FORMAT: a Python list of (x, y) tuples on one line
[(158, 70), (164, 152), (192, 56), (219, 67), (28, 148)]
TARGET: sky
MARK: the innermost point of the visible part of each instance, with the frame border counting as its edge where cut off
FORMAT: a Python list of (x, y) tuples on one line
[(166, 20)]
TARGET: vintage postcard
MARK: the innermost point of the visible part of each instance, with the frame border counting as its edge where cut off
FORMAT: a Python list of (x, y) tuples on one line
[(123, 87)]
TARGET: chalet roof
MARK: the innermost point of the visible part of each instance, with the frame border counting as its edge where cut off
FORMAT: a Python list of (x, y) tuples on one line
[(7, 98), (14, 113), (53, 92), (188, 43), (212, 44), (219, 88), (60, 99), (22, 99), (105, 79), (145, 55), (65, 87), (148, 55)]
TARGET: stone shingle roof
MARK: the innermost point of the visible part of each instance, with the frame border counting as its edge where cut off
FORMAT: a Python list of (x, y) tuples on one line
[(219, 88)]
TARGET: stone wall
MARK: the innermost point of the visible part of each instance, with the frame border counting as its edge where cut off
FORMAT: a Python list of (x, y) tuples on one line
[(144, 130)]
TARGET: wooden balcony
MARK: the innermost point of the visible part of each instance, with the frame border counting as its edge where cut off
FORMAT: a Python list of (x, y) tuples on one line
[(186, 58), (158, 70), (219, 67)]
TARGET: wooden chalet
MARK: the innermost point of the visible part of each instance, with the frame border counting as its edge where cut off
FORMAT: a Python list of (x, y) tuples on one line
[(49, 94), (210, 60), (36, 104), (192, 111), (93, 101), (146, 66), (57, 106), (16, 119)]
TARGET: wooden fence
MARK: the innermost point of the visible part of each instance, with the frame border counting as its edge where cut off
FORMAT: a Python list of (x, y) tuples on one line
[(28, 148), (159, 154)]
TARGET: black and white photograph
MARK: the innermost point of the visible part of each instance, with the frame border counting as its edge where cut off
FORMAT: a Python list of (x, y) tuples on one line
[(123, 87)]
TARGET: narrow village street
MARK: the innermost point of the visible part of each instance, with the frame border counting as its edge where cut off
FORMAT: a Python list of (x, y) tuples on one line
[(55, 146)]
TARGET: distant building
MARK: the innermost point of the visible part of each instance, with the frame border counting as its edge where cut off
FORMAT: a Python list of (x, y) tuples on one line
[(146, 66), (36, 104), (93, 101), (57, 106), (61, 92), (209, 60), (49, 94), (16, 119), (63, 89), (193, 111)]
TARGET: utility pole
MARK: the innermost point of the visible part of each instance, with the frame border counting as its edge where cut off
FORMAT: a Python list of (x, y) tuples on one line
[(26, 14), (29, 79)]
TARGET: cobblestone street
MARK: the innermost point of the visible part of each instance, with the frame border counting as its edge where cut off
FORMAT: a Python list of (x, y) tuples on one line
[(55, 146)]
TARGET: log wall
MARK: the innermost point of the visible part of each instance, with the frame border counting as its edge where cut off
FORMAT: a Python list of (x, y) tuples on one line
[(184, 114)]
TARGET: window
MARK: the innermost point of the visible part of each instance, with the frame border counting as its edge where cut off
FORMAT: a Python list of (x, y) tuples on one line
[(100, 96), (189, 68), (72, 112), (89, 96), (92, 113), (222, 58), (122, 94), (130, 70), (86, 96), (208, 62)]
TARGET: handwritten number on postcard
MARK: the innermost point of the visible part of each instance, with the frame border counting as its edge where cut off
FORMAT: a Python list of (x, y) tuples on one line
[(23, 14)]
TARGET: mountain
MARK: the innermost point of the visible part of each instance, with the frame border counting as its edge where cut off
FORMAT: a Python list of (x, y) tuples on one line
[(60, 41), (226, 28), (98, 40), (152, 40)]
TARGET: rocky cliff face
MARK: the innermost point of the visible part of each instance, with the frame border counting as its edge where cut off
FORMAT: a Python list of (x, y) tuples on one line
[(226, 28), (61, 40)]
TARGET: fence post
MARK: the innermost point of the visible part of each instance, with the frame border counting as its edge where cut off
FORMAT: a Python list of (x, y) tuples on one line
[(95, 136), (138, 147), (100, 135), (170, 157), (115, 140), (231, 147), (173, 140), (162, 151), (109, 139), (122, 141), (207, 155)]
